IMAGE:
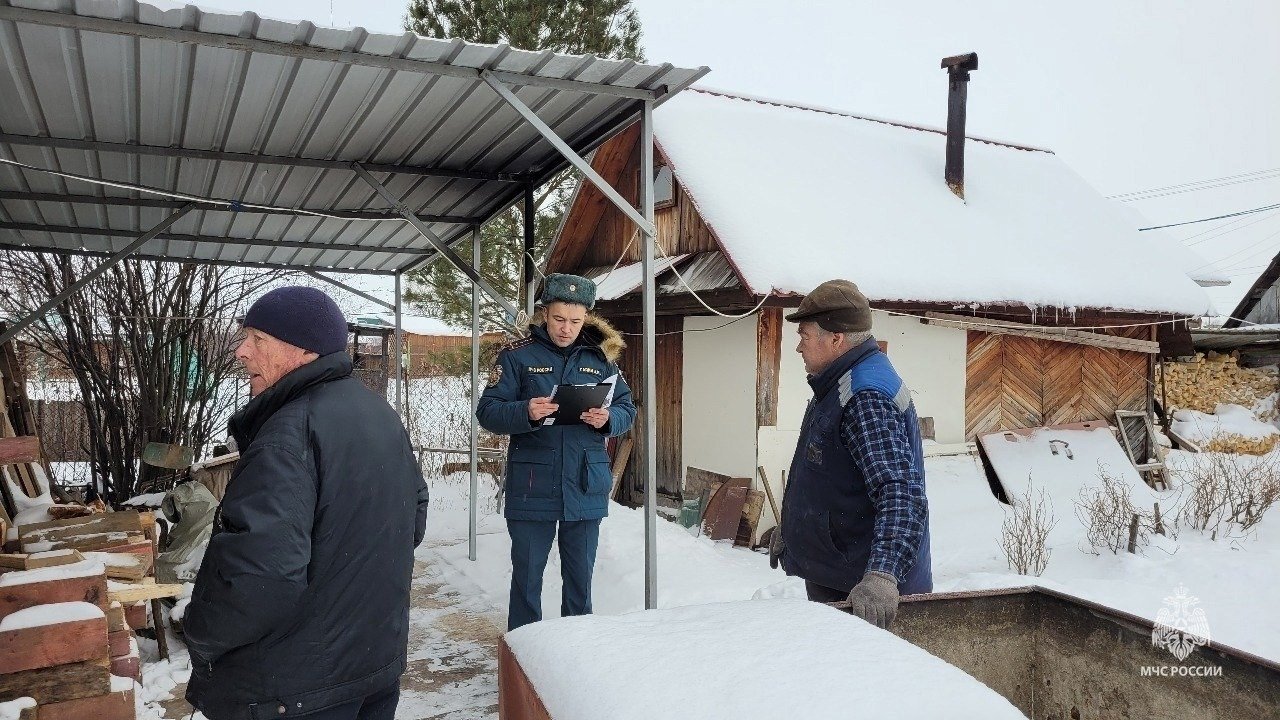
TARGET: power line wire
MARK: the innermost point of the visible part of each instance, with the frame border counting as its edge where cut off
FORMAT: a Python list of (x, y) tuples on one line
[(1217, 235), (1195, 185), (1241, 250), (1264, 208)]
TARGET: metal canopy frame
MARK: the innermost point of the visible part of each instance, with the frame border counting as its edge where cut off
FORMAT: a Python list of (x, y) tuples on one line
[(150, 101), (180, 201)]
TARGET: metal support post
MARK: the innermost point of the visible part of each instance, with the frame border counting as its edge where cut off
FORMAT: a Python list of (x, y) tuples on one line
[(650, 364), (530, 283), (472, 520), (402, 405)]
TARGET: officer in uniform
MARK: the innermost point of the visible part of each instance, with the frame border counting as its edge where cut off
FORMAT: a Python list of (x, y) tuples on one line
[(855, 519), (557, 474)]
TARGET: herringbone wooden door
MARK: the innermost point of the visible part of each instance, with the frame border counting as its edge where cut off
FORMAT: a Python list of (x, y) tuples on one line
[(1018, 382)]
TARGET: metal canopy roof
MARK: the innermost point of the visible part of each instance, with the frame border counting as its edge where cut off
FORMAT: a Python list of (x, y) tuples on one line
[(248, 111)]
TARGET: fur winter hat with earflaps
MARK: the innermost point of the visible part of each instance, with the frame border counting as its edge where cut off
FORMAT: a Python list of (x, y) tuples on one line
[(568, 288)]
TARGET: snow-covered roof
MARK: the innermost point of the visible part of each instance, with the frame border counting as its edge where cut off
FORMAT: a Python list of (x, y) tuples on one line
[(799, 195), (1205, 273), (417, 325)]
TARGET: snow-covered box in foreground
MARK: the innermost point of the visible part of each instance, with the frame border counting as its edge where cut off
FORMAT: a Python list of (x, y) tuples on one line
[(736, 661)]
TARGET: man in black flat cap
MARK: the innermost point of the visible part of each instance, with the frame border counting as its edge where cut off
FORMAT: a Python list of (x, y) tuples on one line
[(855, 519), (301, 606)]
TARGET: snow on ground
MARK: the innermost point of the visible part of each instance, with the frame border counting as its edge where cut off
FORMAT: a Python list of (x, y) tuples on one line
[(160, 696), (691, 570), (453, 641), (447, 518), (713, 654), (452, 663), (459, 606), (1234, 579), (1226, 419)]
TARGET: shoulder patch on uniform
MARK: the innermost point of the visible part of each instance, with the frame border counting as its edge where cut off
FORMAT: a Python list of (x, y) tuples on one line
[(495, 375), (517, 344)]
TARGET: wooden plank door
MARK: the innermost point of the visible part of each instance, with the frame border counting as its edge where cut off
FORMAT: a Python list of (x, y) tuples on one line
[(1016, 382)]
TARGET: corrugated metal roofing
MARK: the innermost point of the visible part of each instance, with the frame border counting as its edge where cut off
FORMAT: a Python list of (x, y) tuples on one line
[(613, 283), (155, 96), (1237, 337), (707, 271)]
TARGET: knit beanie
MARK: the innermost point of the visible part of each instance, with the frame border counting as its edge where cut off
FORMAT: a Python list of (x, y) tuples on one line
[(301, 316)]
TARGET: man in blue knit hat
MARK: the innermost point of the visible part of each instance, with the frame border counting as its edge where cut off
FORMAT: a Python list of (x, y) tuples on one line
[(558, 477), (301, 606)]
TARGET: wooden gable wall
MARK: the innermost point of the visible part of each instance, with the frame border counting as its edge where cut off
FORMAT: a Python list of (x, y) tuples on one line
[(595, 233)]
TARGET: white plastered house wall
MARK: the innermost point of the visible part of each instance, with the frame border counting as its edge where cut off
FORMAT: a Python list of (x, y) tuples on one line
[(719, 430), (718, 401)]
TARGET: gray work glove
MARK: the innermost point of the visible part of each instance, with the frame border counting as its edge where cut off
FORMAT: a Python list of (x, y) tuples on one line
[(875, 599), (776, 548)]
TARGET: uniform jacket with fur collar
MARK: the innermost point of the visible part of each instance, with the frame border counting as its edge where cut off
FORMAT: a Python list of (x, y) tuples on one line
[(556, 472)]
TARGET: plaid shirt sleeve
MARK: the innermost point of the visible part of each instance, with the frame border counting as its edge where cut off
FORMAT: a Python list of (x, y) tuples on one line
[(875, 434)]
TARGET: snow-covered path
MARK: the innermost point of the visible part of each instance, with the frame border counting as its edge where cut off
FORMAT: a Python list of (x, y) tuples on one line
[(453, 648)]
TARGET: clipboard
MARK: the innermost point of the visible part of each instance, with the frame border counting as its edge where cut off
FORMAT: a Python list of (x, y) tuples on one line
[(575, 400)]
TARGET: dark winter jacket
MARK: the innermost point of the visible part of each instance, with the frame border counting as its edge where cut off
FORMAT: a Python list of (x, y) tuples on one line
[(556, 472), (302, 601)]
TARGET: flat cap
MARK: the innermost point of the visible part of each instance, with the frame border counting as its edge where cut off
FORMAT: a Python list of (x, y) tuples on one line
[(837, 306)]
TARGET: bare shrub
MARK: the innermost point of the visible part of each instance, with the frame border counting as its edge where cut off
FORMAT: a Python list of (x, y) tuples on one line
[(1025, 531), (1228, 495), (1107, 513)]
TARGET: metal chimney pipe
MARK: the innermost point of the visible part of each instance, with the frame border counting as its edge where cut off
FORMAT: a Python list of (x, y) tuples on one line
[(958, 68)]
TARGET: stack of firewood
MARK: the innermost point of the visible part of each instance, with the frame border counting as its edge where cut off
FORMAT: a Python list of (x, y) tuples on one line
[(1214, 379), (1240, 445)]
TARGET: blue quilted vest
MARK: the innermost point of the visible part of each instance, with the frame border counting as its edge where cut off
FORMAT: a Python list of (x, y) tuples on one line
[(828, 519)]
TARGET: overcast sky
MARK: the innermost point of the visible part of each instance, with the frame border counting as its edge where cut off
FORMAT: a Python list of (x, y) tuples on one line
[(1133, 94)]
